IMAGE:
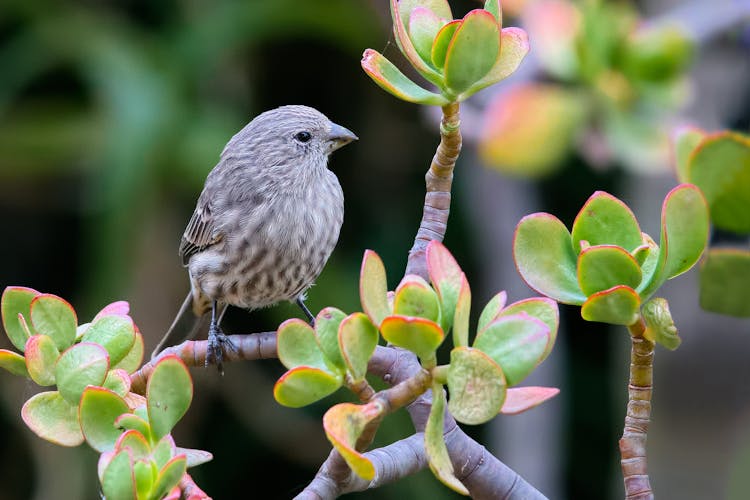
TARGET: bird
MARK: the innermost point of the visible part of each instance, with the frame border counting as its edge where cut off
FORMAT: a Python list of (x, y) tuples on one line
[(265, 224)]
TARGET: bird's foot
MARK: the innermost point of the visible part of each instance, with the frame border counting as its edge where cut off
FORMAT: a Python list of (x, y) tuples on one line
[(218, 344)]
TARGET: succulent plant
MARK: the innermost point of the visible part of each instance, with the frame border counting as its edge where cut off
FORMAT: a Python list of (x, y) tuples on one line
[(458, 56)]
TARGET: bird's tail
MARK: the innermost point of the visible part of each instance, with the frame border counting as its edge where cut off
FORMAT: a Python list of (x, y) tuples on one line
[(190, 320)]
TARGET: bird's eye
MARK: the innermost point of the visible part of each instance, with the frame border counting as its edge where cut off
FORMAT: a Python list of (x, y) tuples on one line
[(303, 136)]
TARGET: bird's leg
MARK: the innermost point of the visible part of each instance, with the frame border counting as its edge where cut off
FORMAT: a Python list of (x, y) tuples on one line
[(217, 342), (301, 303)]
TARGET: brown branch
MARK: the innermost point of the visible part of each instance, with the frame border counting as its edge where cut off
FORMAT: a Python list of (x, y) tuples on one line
[(437, 201), (633, 441), (193, 354), (190, 490)]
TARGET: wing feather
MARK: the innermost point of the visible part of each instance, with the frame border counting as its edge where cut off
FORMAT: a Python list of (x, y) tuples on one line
[(200, 233)]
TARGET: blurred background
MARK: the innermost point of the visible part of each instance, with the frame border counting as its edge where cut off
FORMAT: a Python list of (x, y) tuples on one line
[(113, 112)]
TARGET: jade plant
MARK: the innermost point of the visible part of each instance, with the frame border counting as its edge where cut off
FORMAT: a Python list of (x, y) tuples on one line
[(90, 365), (606, 265), (510, 341), (719, 164), (459, 56)]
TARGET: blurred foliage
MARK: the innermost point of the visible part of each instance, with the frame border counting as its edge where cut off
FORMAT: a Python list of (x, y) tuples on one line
[(618, 83)]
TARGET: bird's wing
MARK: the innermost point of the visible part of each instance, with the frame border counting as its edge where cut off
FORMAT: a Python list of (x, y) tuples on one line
[(200, 233)]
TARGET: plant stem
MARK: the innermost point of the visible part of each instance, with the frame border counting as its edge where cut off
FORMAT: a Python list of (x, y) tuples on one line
[(437, 201), (633, 442)]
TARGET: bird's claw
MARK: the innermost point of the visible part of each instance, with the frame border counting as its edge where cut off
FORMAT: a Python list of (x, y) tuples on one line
[(218, 344)]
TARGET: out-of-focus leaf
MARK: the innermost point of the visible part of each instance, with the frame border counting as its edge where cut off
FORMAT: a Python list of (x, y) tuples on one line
[(13, 362), (118, 478), (724, 278), (524, 116), (720, 167), (686, 139), (117, 381)]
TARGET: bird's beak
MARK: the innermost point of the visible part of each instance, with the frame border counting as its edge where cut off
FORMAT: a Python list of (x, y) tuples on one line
[(339, 137)]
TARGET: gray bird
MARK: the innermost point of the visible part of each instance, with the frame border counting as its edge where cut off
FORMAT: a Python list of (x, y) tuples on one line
[(265, 224)]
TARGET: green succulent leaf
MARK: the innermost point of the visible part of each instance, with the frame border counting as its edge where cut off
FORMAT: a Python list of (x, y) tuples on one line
[(118, 477), (400, 13), (545, 258), (543, 309), (423, 26), (617, 306), (476, 384), (434, 443), (115, 333), (17, 300), (514, 45), (14, 363), (134, 357), (131, 421), (53, 418), (168, 394), (373, 288), (392, 80), (420, 336), (492, 310), (117, 381), (517, 343), (357, 338), (493, 7), (297, 345), (79, 366), (521, 399), (603, 266), (344, 424), (195, 457), (41, 356), (684, 234), (441, 42), (139, 446), (605, 220), (720, 167), (54, 317), (145, 475), (686, 139), (724, 276), (169, 476), (119, 308), (163, 451), (461, 318), (414, 297), (472, 51), (445, 275), (304, 385), (660, 327), (327, 332), (99, 409)]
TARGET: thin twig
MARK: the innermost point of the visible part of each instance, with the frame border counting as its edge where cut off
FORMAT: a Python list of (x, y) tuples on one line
[(633, 441)]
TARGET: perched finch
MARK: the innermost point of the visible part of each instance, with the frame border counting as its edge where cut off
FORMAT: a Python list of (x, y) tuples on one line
[(265, 224)]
